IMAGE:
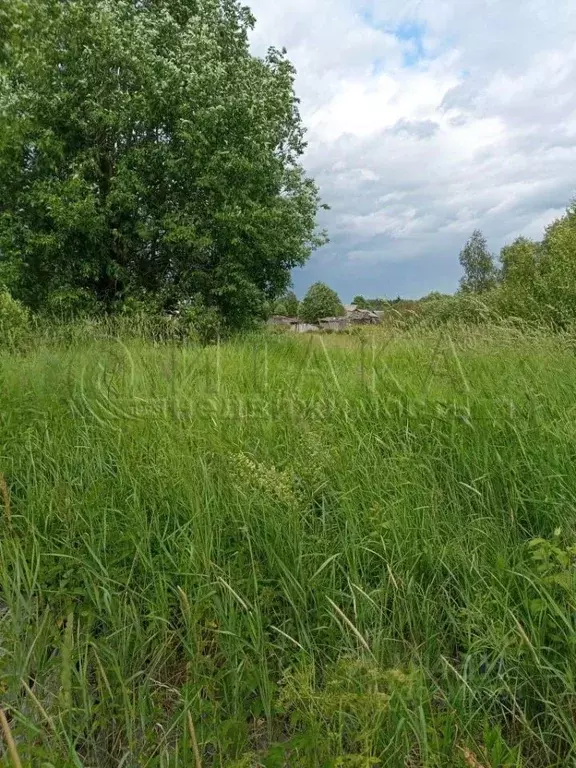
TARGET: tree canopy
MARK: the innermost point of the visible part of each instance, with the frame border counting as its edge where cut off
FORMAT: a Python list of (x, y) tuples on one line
[(360, 302), (374, 304), (146, 154), (287, 304), (320, 301)]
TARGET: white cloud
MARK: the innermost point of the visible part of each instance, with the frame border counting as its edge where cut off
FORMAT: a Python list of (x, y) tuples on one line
[(428, 118)]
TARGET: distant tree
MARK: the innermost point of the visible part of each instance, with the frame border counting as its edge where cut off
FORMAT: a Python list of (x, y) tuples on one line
[(290, 301), (268, 309), (320, 301), (374, 304), (360, 302), (146, 153), (435, 296), (480, 271), (280, 308)]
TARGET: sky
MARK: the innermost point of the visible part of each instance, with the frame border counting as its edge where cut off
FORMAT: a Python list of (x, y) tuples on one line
[(426, 120)]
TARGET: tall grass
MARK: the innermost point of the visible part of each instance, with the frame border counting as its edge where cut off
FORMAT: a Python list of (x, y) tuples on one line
[(322, 551)]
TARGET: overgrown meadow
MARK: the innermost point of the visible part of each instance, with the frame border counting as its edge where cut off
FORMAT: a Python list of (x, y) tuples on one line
[(290, 551)]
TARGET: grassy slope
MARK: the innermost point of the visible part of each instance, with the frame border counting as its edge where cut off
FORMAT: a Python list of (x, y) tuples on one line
[(316, 547)]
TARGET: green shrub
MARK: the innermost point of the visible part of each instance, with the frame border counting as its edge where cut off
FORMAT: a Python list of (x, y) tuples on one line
[(463, 308), (515, 301), (69, 304), (200, 322), (14, 321)]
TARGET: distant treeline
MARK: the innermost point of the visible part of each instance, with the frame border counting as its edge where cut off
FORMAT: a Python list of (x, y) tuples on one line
[(529, 280)]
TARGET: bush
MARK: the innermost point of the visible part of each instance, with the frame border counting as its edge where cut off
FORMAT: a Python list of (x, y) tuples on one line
[(517, 302), (14, 321), (463, 308), (70, 304), (200, 322)]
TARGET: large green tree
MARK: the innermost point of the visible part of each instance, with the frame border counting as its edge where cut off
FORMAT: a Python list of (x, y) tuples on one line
[(144, 152), (480, 272)]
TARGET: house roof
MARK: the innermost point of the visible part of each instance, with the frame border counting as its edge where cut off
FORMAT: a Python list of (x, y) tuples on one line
[(363, 313), (284, 319)]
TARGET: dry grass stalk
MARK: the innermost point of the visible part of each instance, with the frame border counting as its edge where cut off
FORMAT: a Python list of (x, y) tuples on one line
[(194, 741), (9, 739), (41, 709), (185, 603), (5, 494), (470, 758)]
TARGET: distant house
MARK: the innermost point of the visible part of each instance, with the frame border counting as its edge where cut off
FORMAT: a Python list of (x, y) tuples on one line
[(362, 317), (353, 316), (333, 323), (357, 316), (292, 323), (305, 327), (282, 320)]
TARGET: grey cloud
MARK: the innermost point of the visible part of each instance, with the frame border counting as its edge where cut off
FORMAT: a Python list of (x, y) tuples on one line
[(419, 129), (462, 96)]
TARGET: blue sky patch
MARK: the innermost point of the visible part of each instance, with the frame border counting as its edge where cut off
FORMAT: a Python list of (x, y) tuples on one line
[(411, 33)]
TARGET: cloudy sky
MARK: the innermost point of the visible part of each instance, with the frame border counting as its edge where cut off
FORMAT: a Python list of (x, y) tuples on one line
[(427, 119)]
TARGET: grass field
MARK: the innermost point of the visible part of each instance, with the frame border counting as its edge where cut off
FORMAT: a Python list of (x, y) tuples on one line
[(316, 551)]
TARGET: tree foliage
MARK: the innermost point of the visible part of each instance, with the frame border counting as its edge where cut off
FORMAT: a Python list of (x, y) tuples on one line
[(360, 302), (14, 320), (287, 305), (144, 152), (320, 301), (480, 272), (292, 303), (519, 261), (557, 268), (520, 291), (377, 304), (280, 308)]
